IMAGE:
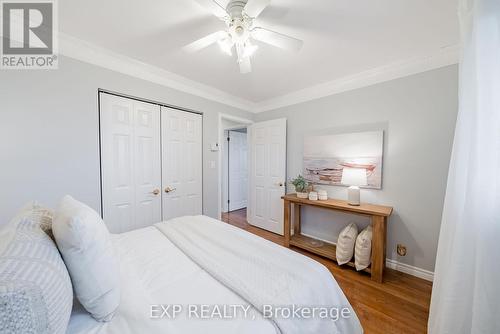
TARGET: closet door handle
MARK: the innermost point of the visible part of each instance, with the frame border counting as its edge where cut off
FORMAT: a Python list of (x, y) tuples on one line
[(168, 189), (156, 192)]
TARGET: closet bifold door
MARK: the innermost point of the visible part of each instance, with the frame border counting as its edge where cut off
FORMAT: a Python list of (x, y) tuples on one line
[(130, 163), (181, 163)]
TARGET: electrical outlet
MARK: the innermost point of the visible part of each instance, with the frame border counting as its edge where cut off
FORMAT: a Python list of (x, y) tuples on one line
[(401, 250)]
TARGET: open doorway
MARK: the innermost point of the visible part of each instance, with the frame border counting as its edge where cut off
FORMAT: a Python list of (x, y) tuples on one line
[(233, 155), (234, 188), (260, 168)]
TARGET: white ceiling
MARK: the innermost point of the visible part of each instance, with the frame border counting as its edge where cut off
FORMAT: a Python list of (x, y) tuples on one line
[(341, 38)]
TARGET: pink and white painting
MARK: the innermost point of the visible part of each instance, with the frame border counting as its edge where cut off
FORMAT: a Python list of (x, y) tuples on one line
[(325, 157)]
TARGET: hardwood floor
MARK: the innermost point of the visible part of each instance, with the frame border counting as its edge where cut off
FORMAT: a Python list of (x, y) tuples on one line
[(399, 305)]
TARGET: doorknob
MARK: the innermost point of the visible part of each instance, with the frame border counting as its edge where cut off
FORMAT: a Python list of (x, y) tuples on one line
[(279, 184), (168, 189), (156, 192)]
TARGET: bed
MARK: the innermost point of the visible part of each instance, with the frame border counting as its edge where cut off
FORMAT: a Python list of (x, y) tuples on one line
[(156, 270)]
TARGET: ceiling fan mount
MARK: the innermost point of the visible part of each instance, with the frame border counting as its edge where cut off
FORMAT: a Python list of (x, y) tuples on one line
[(235, 8), (239, 17)]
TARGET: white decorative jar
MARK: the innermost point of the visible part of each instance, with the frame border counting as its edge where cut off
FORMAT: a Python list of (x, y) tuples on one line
[(322, 195), (313, 196)]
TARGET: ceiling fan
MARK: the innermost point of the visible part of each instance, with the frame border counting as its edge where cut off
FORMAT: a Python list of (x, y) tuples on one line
[(240, 30)]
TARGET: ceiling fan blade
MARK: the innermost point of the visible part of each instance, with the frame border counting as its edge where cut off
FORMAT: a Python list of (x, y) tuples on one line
[(254, 7), (244, 62), (276, 39), (205, 41), (214, 7)]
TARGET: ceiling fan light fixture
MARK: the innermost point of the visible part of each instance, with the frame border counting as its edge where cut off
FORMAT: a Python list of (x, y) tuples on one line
[(226, 46), (239, 16), (249, 49)]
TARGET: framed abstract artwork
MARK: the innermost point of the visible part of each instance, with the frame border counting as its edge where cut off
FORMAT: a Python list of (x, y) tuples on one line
[(326, 156)]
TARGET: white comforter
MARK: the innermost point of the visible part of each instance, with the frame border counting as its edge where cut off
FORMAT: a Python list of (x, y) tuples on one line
[(275, 280), (154, 271)]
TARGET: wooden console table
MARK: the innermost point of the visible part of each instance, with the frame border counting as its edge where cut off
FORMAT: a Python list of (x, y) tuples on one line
[(378, 214)]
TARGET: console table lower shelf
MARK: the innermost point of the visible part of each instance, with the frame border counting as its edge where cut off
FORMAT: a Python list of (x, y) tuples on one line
[(327, 250), (377, 213)]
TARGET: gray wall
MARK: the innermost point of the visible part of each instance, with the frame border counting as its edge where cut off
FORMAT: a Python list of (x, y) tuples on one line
[(49, 133), (418, 116), (49, 143)]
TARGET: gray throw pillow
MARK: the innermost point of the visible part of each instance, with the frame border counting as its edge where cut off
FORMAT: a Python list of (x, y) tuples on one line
[(36, 295)]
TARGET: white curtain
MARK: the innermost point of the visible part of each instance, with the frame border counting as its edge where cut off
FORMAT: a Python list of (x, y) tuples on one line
[(466, 291)]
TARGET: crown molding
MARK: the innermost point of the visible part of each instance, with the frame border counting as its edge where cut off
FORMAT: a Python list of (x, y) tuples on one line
[(444, 57), (75, 48), (90, 53)]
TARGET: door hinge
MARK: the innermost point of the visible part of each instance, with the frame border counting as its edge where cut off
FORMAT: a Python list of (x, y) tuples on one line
[(228, 201), (228, 138)]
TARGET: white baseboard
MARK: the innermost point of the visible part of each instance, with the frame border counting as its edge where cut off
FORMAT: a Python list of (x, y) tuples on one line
[(411, 270)]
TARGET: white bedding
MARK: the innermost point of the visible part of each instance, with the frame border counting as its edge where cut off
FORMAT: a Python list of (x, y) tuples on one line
[(266, 275), (154, 271)]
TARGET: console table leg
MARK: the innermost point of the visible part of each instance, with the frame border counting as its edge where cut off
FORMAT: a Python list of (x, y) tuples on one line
[(286, 222), (378, 247), (296, 218)]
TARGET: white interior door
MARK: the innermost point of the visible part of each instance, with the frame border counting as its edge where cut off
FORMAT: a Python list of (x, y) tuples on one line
[(182, 163), (267, 144), (238, 170), (130, 163)]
